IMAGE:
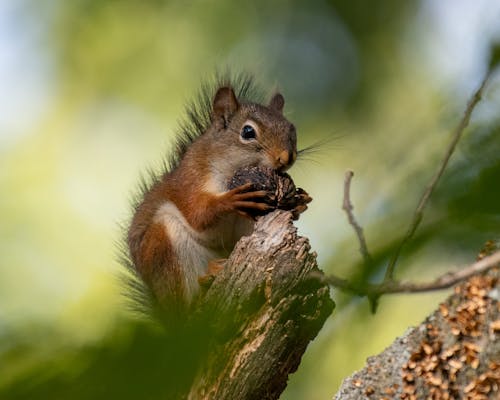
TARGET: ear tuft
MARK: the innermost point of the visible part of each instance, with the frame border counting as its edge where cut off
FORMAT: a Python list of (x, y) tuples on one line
[(277, 102), (225, 103)]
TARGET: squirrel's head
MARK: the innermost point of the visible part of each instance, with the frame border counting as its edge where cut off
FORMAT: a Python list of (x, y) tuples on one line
[(260, 134)]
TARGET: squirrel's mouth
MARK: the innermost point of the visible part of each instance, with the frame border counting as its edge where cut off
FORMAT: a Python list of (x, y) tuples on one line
[(283, 168), (274, 164)]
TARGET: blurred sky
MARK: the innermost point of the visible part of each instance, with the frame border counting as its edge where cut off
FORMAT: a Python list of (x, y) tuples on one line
[(451, 44), (78, 125)]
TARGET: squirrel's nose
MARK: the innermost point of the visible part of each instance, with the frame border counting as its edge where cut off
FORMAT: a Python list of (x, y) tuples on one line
[(285, 159)]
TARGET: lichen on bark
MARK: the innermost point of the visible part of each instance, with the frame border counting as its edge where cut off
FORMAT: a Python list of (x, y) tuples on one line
[(454, 353)]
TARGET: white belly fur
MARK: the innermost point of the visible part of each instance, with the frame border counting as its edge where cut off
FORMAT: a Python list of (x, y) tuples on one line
[(196, 249)]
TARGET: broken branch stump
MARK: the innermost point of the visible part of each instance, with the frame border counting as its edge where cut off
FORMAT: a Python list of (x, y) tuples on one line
[(262, 311)]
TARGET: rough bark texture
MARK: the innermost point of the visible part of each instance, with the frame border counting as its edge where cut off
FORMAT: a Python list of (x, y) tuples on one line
[(269, 306), (453, 354)]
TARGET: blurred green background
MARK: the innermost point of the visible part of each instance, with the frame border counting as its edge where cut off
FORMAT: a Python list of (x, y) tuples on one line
[(90, 95)]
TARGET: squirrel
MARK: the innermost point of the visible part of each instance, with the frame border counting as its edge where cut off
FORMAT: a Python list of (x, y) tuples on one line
[(187, 219)]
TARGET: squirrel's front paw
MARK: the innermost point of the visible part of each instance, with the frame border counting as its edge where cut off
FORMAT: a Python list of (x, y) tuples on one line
[(281, 192), (245, 202)]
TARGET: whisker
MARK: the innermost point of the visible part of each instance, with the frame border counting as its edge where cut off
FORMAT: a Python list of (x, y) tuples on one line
[(303, 160), (319, 147)]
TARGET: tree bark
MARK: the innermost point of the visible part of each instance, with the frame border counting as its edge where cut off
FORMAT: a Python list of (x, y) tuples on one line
[(453, 354), (268, 303)]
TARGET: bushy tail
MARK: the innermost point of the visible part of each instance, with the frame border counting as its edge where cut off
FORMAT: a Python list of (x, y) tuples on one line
[(138, 297)]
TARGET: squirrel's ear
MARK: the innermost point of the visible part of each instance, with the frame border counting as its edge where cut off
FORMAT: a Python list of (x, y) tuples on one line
[(225, 103), (277, 102)]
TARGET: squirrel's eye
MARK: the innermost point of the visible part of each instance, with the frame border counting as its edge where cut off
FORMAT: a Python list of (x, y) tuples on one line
[(248, 132)]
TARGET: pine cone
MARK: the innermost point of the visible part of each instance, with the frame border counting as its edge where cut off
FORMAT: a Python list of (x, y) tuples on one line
[(282, 193)]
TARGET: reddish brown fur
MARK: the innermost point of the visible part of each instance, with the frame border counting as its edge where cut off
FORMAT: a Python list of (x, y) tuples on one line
[(152, 252), (199, 193)]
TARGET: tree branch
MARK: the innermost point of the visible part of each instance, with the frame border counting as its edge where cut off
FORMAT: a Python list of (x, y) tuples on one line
[(261, 312), (443, 282), (453, 354), (348, 208), (418, 214)]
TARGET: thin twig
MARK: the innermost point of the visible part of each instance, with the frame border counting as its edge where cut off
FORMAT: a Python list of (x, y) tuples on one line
[(348, 208), (443, 282), (418, 214)]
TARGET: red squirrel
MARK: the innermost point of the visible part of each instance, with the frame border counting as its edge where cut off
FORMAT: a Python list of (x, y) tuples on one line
[(187, 218)]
